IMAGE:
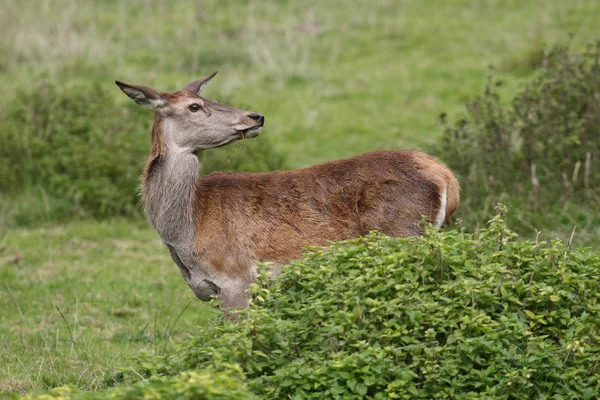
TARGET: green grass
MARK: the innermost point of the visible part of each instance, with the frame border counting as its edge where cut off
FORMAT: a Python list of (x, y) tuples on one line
[(334, 79), (76, 301)]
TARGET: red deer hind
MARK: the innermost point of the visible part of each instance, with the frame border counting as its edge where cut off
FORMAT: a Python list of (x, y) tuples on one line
[(217, 227)]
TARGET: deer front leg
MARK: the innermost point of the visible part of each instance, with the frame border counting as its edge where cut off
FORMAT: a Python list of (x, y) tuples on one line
[(231, 296), (233, 292), (234, 297), (204, 289)]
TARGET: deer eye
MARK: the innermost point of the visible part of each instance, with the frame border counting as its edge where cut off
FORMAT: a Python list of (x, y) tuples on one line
[(194, 107)]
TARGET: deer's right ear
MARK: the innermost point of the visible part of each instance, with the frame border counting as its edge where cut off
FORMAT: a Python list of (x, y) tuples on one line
[(144, 96)]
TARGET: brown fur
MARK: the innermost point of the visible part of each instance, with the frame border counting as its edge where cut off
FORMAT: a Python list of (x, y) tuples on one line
[(243, 217)]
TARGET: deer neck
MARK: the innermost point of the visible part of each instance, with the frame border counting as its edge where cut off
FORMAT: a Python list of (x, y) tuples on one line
[(168, 187)]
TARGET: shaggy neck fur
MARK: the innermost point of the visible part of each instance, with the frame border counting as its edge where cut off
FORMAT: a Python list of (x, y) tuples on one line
[(168, 187)]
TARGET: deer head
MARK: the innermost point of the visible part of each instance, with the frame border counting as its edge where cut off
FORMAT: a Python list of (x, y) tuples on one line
[(191, 123)]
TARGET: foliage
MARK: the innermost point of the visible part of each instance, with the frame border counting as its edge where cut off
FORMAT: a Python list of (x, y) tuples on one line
[(75, 145), (541, 155), (448, 315), (205, 385), (80, 151)]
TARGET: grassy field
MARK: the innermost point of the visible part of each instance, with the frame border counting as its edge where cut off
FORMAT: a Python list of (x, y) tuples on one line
[(78, 300), (333, 79)]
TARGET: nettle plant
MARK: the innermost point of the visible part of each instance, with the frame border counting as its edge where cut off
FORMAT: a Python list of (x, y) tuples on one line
[(450, 314)]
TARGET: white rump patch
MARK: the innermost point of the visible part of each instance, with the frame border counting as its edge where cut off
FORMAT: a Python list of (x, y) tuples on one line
[(441, 215)]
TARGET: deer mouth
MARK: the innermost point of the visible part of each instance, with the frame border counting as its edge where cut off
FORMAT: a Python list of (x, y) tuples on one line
[(251, 132)]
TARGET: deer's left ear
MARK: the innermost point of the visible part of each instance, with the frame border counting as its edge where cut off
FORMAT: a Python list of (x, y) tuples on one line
[(198, 86)]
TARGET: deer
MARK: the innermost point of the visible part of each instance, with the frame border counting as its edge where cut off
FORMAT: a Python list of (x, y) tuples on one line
[(219, 227)]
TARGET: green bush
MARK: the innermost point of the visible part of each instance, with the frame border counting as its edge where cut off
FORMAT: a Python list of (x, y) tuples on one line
[(72, 150), (449, 315), (206, 385), (72, 143), (540, 155)]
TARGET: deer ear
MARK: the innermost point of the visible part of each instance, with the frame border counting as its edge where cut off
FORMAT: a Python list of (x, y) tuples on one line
[(198, 86), (144, 96)]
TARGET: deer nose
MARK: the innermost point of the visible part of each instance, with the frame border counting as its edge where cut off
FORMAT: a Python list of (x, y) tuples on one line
[(258, 118)]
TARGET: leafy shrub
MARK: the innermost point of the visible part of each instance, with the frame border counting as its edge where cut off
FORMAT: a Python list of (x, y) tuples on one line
[(449, 315), (206, 385), (72, 150), (76, 145), (541, 155)]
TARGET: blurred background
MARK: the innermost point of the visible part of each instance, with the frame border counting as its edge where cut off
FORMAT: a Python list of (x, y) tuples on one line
[(507, 92)]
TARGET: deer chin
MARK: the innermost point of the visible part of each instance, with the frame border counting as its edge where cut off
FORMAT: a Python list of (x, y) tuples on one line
[(241, 134), (250, 132)]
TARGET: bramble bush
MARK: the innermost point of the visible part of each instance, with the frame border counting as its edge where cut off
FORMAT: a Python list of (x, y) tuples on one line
[(71, 150), (452, 314), (541, 155)]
